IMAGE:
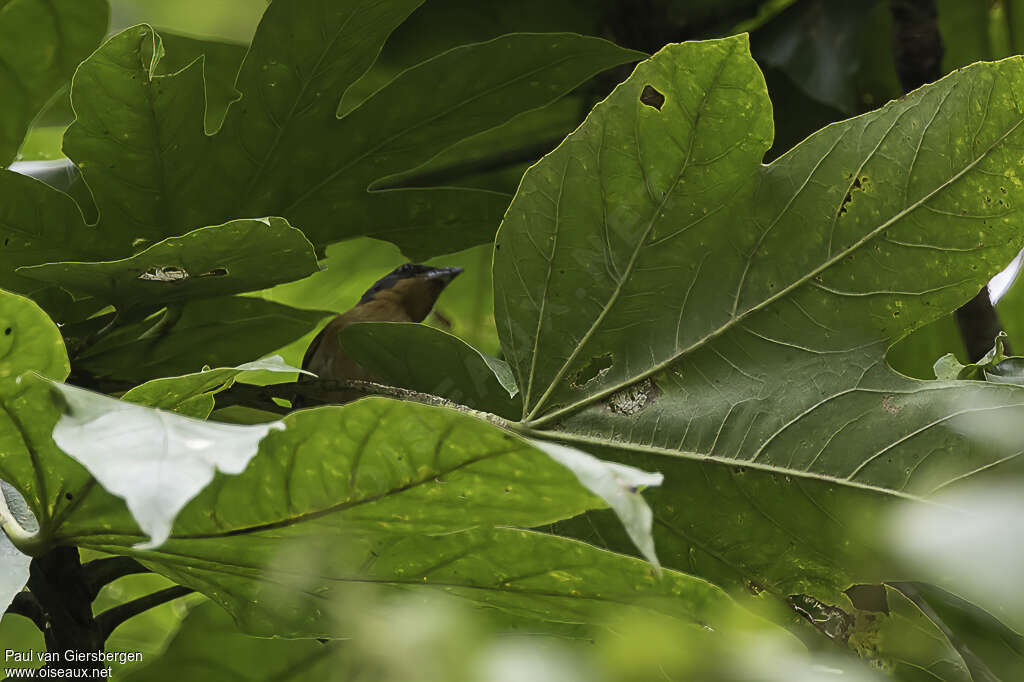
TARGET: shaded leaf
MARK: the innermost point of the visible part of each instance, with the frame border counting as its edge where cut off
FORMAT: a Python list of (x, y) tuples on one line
[(235, 257), (41, 43), (217, 332), (220, 66), (818, 44), (38, 224), (992, 651), (140, 142), (424, 359)]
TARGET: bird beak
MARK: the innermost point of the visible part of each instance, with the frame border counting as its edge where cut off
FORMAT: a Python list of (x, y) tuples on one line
[(446, 275)]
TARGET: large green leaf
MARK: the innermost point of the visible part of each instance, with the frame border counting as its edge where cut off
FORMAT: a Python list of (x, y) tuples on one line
[(376, 491), (666, 299), (41, 43), (281, 150), (232, 258)]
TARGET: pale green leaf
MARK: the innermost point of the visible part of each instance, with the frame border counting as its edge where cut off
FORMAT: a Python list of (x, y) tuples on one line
[(157, 461), (618, 485)]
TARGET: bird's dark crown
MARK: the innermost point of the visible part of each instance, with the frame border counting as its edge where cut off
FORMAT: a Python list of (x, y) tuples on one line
[(406, 271)]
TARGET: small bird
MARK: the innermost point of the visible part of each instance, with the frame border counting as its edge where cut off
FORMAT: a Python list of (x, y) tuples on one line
[(406, 294)]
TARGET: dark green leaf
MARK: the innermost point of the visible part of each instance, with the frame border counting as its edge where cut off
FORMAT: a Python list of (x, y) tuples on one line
[(38, 224), (424, 359), (41, 43), (220, 67), (140, 142), (219, 332), (238, 256), (818, 44)]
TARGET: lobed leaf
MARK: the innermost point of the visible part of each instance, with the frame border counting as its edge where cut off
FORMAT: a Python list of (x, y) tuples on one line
[(140, 142), (667, 300)]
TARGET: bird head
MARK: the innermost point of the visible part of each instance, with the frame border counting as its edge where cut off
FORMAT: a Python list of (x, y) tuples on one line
[(413, 287)]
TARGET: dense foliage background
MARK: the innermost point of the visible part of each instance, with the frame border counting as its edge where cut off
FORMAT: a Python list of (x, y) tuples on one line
[(673, 264)]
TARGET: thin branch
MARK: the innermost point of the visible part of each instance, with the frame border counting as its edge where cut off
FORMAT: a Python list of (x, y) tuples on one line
[(100, 572), (113, 617)]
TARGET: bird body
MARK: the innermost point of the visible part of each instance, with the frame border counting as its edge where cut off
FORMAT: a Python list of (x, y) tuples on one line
[(406, 294)]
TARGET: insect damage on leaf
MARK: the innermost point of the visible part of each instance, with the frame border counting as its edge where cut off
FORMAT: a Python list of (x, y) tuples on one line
[(634, 398), (165, 274), (859, 185), (652, 98), (830, 620), (176, 274)]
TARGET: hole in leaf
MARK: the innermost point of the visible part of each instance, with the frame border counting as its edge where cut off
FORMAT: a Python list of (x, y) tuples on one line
[(169, 273), (652, 97), (590, 371), (860, 184), (216, 272), (7, 332)]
